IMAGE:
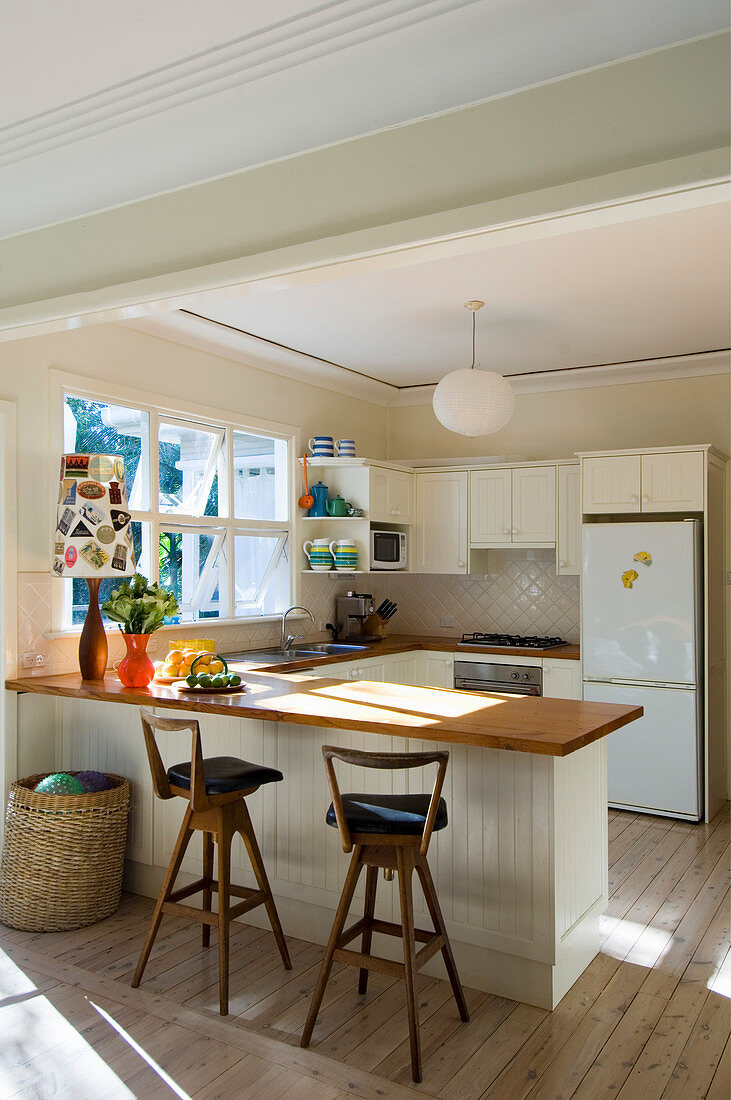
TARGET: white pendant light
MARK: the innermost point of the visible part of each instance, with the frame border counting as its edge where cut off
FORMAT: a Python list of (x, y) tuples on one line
[(473, 402)]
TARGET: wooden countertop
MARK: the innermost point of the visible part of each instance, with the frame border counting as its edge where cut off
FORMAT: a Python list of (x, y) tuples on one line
[(553, 727)]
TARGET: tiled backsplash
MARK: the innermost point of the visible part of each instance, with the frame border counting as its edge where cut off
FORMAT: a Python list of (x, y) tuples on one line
[(521, 596)]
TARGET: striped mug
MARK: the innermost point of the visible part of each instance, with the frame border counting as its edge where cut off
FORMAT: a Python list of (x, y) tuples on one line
[(344, 555), (322, 446), (346, 448)]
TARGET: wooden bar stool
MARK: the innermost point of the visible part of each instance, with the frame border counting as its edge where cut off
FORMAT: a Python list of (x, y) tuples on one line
[(216, 796), (390, 831)]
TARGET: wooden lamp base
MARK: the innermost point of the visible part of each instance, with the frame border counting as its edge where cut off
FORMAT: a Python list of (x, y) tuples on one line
[(93, 648)]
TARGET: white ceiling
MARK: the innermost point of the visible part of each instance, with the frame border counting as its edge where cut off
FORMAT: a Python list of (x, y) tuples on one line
[(637, 290), (102, 104)]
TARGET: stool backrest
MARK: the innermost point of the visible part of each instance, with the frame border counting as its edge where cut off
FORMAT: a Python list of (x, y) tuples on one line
[(152, 724), (390, 760)]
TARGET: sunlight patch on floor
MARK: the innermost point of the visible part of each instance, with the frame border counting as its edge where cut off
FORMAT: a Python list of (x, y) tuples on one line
[(646, 944), (721, 981), (155, 1066), (39, 1046)]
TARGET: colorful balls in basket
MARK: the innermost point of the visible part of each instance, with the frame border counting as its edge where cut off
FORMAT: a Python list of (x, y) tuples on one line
[(92, 782), (59, 783)]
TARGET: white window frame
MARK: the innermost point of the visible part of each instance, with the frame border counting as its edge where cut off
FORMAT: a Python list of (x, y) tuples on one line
[(205, 418)]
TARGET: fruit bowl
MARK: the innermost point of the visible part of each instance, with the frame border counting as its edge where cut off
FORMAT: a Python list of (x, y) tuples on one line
[(182, 685)]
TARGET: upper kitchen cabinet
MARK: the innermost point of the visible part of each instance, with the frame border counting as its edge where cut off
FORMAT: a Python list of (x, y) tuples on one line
[(391, 495), (568, 521), (653, 481), (513, 506), (441, 522)]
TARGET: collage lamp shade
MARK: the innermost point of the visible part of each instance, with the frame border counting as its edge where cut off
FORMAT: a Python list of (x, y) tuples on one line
[(92, 539), (473, 402)]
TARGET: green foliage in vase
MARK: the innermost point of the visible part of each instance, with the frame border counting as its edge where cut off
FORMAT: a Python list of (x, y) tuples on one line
[(139, 607)]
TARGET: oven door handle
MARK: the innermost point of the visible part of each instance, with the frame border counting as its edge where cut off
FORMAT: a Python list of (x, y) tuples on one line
[(493, 686)]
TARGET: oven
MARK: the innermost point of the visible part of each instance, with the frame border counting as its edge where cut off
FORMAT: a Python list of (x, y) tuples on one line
[(507, 679)]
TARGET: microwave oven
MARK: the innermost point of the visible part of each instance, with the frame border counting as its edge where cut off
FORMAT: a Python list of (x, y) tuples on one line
[(388, 550)]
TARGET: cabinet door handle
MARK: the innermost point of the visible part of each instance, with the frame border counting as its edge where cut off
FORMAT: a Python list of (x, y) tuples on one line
[(506, 530), (561, 564), (645, 500), (447, 664), (513, 530), (460, 564), (633, 497)]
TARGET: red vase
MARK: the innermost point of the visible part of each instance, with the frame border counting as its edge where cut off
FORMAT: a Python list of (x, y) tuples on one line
[(136, 670)]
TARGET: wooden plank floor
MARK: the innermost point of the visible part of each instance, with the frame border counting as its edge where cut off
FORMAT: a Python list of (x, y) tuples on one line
[(649, 1018)]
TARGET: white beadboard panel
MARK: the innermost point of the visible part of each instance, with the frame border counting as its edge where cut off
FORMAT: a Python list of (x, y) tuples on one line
[(580, 835), (108, 738)]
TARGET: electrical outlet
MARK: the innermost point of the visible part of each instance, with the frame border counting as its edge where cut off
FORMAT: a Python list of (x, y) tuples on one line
[(447, 622), (32, 660)]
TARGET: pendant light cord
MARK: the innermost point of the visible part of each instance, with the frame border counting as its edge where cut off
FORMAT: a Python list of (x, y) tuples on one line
[(474, 319)]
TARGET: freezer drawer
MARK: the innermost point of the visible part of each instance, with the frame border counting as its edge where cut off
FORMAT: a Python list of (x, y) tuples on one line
[(654, 763)]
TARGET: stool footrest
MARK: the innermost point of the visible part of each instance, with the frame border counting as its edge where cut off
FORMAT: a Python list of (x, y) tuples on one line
[(433, 942), (202, 916), (387, 928), (257, 898)]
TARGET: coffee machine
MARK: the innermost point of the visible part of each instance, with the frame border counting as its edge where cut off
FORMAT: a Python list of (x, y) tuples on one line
[(351, 611)]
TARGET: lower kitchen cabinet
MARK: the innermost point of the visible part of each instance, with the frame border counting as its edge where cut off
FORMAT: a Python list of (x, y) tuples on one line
[(561, 678), (437, 669)]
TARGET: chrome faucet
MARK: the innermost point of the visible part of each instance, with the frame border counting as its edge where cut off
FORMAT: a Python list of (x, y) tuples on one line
[(287, 639)]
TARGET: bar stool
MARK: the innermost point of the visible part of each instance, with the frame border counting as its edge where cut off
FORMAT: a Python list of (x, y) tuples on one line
[(390, 831), (216, 798)]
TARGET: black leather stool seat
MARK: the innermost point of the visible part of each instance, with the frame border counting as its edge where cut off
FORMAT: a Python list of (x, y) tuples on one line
[(394, 814), (224, 774)]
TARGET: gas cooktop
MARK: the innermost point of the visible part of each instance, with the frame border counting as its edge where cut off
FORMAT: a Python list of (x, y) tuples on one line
[(511, 641)]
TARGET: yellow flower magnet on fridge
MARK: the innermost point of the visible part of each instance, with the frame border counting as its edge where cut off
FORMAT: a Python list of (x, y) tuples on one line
[(629, 577), (643, 557)]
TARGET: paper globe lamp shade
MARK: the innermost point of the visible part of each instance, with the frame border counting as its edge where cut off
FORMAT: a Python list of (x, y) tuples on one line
[(473, 402)]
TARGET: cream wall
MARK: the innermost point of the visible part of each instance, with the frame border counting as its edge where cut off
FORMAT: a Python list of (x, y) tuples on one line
[(125, 357), (558, 423)]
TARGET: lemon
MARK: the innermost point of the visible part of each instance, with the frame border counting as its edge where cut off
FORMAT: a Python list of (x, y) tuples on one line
[(216, 666)]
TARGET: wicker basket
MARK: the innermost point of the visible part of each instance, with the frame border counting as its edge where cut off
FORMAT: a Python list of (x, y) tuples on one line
[(63, 856)]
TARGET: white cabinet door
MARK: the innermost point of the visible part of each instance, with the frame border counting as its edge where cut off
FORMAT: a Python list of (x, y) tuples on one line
[(400, 493), (390, 498), (561, 679), (437, 669), (490, 507), (610, 484), (568, 521), (441, 519), (378, 494), (672, 482), (401, 668), (534, 504)]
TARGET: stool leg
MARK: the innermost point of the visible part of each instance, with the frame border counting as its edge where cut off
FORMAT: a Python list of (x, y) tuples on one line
[(405, 867), (248, 835), (351, 881), (167, 887), (224, 897), (368, 912), (432, 901), (207, 890)]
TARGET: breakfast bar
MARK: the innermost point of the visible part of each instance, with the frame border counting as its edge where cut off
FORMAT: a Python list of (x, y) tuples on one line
[(521, 872)]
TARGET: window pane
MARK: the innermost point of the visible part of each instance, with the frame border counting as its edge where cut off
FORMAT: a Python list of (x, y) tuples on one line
[(79, 593), (260, 477), (189, 461), (91, 427), (262, 574), (193, 566)]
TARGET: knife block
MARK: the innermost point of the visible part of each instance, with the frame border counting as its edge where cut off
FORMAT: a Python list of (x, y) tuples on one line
[(374, 624)]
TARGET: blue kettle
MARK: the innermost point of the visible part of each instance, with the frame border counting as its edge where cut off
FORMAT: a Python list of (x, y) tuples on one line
[(319, 492)]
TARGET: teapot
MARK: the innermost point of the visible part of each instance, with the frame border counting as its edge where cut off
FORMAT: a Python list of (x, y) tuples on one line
[(337, 506), (319, 492)]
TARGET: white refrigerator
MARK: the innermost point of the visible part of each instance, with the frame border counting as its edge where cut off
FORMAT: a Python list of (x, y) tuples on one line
[(641, 645)]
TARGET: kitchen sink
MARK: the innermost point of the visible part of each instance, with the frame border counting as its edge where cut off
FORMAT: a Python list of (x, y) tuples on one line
[(274, 654)]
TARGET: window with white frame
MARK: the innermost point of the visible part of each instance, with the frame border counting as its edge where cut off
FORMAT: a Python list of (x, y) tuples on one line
[(210, 506)]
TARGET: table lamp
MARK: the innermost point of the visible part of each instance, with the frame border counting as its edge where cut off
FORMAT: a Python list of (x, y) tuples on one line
[(93, 540)]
